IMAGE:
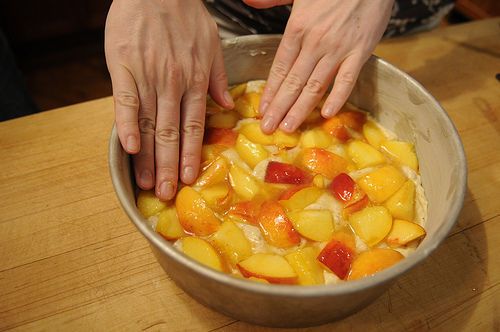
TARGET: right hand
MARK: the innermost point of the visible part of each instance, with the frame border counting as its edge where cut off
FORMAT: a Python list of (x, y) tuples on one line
[(163, 56)]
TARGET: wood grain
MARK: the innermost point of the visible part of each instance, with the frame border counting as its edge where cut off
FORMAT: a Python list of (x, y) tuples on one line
[(71, 260)]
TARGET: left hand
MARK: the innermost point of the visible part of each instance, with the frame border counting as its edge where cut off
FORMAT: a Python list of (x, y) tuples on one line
[(324, 41)]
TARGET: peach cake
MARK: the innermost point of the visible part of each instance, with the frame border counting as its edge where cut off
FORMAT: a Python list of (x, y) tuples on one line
[(339, 199)]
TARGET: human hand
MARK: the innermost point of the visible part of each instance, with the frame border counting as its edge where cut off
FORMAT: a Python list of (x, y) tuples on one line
[(324, 40), (163, 56)]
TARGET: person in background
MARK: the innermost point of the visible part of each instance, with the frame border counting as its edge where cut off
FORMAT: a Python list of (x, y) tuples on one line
[(164, 56)]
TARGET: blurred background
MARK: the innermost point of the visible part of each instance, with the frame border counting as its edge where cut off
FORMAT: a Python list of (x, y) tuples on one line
[(58, 46)]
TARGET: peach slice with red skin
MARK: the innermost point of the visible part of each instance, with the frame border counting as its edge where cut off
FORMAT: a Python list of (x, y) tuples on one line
[(247, 211), (323, 162), (222, 136), (372, 261), (275, 226), (278, 172), (342, 187), (338, 254), (337, 125), (195, 216), (273, 268)]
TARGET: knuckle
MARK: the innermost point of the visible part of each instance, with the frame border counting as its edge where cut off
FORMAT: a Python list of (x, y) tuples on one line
[(193, 128), (296, 26), (279, 70), (220, 76), (127, 99), (199, 79), (167, 135), (346, 78), (293, 83), (174, 71), (146, 125), (167, 171), (314, 86)]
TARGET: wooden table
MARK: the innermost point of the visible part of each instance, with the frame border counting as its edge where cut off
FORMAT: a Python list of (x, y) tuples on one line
[(71, 260)]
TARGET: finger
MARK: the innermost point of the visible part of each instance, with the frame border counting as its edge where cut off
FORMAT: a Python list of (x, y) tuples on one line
[(267, 3), (126, 103), (144, 160), (289, 91), (284, 59), (312, 93), (342, 87), (193, 123), (218, 82), (167, 140)]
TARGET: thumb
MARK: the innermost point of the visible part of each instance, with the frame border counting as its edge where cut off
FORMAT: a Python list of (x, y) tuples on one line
[(267, 3), (217, 86)]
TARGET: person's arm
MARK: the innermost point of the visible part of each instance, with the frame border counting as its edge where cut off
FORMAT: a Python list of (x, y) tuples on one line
[(324, 41), (162, 57)]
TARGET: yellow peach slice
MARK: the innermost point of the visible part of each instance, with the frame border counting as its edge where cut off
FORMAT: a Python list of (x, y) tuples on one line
[(238, 90), (210, 152), (323, 162), (372, 224), (195, 216), (248, 105), (403, 232), (304, 262), (364, 155), (232, 242), (243, 183), (251, 153), (270, 267), (148, 204), (373, 134), (253, 132), (315, 138), (202, 252), (302, 198), (382, 183), (402, 203), (316, 225), (402, 152), (285, 140), (373, 261), (216, 172), (226, 119), (218, 196), (276, 227), (168, 224)]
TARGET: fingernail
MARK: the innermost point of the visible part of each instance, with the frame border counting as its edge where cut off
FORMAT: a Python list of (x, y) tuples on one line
[(147, 178), (263, 108), (328, 111), (166, 190), (132, 144), (228, 98), (267, 124), (189, 175), (287, 125)]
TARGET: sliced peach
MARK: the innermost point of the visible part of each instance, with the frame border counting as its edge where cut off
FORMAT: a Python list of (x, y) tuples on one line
[(315, 225), (251, 153), (278, 172), (337, 257), (285, 140), (403, 232), (320, 181), (342, 187), (315, 138), (373, 261), (402, 203), (202, 252), (221, 136), (304, 262), (216, 172), (402, 152), (148, 204), (253, 132), (227, 120), (372, 224), (238, 90), (356, 206), (363, 154), (232, 242), (218, 196), (264, 281), (244, 184), (213, 107), (276, 227), (338, 124), (195, 216), (210, 152), (302, 198), (289, 192), (246, 211), (270, 267), (323, 162), (382, 183), (373, 134), (248, 105), (168, 224)]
